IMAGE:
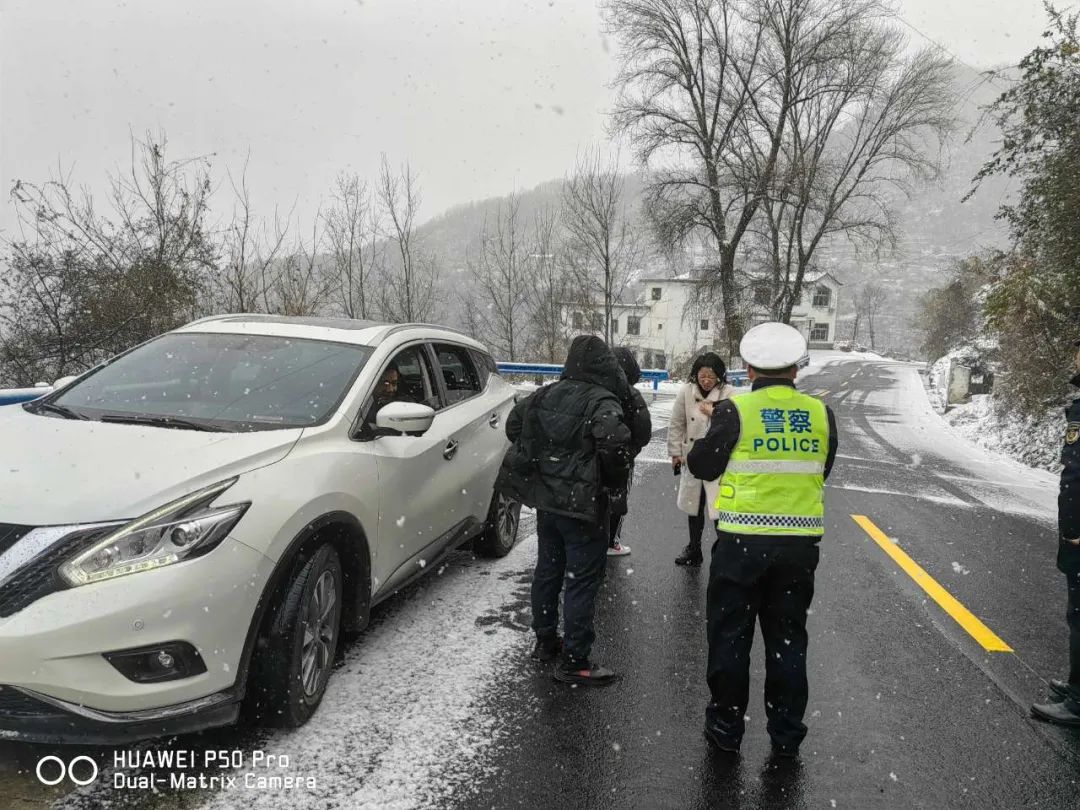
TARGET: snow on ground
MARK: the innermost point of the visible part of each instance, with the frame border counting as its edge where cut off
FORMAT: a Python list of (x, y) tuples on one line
[(405, 721), (1034, 441), (999, 481)]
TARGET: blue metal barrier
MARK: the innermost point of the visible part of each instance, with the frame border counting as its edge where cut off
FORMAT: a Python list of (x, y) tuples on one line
[(737, 378), (13, 396), (655, 375)]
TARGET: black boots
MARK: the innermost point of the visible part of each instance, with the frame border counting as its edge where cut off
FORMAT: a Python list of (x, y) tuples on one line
[(691, 555), (547, 649), (1062, 709)]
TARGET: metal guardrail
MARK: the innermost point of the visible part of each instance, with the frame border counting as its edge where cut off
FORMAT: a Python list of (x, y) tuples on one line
[(655, 375), (13, 396)]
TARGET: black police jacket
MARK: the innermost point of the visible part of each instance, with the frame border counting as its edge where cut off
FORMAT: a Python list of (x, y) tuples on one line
[(571, 445), (1069, 494)]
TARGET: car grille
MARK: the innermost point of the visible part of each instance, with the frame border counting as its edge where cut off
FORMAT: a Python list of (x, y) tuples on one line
[(14, 703), (38, 577)]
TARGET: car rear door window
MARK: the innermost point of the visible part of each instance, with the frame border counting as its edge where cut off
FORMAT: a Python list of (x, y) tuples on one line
[(485, 364), (458, 371)]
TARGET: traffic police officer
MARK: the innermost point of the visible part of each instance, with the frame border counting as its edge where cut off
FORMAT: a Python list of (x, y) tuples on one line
[(1064, 705), (772, 449)]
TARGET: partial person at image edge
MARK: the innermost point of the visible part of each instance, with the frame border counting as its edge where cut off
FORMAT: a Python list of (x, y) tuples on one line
[(638, 419), (1063, 707)]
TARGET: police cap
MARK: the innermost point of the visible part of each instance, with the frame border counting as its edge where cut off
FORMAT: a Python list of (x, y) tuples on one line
[(772, 346)]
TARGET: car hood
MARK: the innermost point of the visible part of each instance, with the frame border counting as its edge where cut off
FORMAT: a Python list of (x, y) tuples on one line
[(57, 471)]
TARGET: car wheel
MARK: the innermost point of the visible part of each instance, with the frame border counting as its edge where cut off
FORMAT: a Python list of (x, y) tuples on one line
[(302, 641), (501, 527)]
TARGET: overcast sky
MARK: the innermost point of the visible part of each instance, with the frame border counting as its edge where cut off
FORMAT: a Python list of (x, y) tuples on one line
[(481, 96)]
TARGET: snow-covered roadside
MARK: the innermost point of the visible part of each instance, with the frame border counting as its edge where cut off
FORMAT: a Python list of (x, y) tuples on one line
[(1035, 442), (409, 716), (407, 719)]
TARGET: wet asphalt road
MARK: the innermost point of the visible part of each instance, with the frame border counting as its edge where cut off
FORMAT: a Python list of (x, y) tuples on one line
[(906, 709)]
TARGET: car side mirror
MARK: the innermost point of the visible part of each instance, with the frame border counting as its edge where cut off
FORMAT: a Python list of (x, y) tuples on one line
[(408, 418), (64, 381)]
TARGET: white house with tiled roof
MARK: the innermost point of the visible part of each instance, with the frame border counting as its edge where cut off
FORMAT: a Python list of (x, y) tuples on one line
[(662, 327), (814, 313)]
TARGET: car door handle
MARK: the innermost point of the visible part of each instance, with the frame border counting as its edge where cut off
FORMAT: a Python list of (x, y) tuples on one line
[(450, 450), (494, 420)]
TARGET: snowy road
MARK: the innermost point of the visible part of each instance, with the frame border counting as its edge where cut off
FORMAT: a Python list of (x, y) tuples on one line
[(438, 704)]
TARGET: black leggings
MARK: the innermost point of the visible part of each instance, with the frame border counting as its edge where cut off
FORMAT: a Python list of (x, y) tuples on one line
[(697, 522)]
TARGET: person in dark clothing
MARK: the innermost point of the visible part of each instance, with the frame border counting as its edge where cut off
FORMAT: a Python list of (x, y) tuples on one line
[(388, 390), (637, 417), (772, 449), (570, 452), (1064, 706)]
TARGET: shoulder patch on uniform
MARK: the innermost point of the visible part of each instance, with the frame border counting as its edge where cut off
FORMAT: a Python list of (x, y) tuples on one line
[(1072, 433)]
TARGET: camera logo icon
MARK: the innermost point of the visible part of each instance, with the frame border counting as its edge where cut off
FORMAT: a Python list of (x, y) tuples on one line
[(81, 770)]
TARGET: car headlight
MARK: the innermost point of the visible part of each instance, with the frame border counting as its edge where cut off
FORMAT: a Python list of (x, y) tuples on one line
[(181, 530)]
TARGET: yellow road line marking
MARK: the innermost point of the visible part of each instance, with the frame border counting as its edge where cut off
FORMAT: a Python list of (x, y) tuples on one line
[(960, 614)]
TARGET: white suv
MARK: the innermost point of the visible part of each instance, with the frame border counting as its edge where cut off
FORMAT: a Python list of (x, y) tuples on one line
[(193, 525)]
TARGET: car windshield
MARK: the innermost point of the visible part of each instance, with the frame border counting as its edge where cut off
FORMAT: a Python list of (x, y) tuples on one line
[(220, 381)]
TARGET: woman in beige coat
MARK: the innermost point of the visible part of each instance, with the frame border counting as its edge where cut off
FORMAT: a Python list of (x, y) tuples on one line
[(690, 417)]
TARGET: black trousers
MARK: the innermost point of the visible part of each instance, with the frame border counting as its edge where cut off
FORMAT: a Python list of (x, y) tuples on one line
[(697, 522), (1072, 616), (771, 580), (571, 557), (615, 522)]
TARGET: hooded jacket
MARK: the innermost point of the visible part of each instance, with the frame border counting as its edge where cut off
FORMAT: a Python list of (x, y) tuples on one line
[(635, 411), (1069, 494), (570, 443)]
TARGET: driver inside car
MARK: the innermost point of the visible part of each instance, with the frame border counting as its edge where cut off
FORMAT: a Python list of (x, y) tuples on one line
[(390, 389)]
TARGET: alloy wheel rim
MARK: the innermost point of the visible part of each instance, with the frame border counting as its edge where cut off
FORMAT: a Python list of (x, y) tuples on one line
[(319, 630), (507, 520)]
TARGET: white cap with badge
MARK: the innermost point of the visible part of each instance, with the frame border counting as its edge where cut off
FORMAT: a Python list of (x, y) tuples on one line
[(772, 346)]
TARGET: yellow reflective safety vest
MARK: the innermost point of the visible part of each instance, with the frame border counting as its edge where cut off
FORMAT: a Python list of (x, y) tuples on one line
[(774, 483)]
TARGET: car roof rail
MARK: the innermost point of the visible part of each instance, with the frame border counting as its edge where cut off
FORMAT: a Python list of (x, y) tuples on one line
[(209, 318), (398, 327)]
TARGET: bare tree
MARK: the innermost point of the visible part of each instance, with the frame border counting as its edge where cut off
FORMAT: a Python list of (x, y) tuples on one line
[(410, 279), (471, 321), (870, 123), (867, 305), (41, 292), (303, 286), (352, 233), (552, 287), (708, 89), (84, 285), (601, 246), (686, 80), (502, 273), (249, 255)]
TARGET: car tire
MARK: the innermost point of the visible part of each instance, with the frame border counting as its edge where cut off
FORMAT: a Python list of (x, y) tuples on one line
[(500, 528), (302, 641)]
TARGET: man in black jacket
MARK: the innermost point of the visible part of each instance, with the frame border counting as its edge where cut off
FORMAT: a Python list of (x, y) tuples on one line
[(1064, 707), (637, 417), (571, 450)]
